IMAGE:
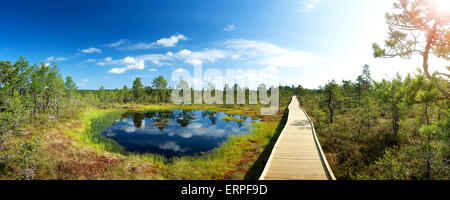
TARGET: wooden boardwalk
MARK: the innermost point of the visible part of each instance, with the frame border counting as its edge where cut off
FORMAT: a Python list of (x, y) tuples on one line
[(297, 154)]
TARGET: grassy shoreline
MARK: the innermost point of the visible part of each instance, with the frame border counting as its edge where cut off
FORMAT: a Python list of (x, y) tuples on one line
[(75, 149)]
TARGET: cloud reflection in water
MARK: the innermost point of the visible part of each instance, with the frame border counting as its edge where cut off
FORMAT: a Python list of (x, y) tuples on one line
[(175, 132)]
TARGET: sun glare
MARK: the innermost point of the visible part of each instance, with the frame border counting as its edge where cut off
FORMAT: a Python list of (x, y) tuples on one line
[(442, 5)]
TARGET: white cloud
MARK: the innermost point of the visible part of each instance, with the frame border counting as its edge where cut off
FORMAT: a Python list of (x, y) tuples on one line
[(179, 70), (118, 43), (117, 70), (105, 61), (52, 58), (244, 50), (230, 27), (132, 64), (269, 54), (90, 60), (307, 5), (172, 146), (152, 70), (165, 42), (91, 50), (137, 65), (129, 129), (156, 59), (250, 77), (170, 42), (129, 60), (140, 45), (198, 57), (85, 80), (101, 63), (187, 56)]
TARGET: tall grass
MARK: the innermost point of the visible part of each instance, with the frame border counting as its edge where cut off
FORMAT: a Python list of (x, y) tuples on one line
[(232, 160), (93, 123)]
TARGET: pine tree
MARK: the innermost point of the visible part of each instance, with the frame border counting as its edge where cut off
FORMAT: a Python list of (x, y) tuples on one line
[(160, 84), (332, 97), (71, 89), (367, 110), (138, 89), (411, 20)]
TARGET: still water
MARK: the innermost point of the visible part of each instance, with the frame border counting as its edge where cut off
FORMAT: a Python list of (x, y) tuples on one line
[(175, 132)]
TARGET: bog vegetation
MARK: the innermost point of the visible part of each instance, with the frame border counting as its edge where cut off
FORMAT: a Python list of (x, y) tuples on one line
[(52, 130), (392, 129)]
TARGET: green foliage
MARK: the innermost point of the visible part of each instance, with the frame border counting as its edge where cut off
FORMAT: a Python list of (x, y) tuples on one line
[(13, 97), (416, 27), (22, 160), (160, 84), (14, 114), (332, 97), (70, 88), (96, 123), (138, 89), (424, 159), (393, 129), (366, 110), (378, 51), (415, 16), (70, 85), (226, 159)]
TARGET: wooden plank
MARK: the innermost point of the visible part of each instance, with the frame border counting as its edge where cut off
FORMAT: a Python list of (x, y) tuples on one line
[(295, 154)]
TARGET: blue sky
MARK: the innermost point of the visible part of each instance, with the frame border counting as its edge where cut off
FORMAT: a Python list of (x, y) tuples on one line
[(108, 43)]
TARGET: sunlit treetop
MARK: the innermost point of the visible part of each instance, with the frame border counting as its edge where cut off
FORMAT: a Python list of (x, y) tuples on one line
[(418, 27)]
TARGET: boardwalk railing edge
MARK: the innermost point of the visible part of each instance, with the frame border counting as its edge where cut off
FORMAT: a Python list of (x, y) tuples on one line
[(327, 168), (266, 168)]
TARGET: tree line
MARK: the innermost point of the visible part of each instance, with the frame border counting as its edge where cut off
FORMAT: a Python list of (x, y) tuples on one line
[(392, 129), (27, 91), (39, 93)]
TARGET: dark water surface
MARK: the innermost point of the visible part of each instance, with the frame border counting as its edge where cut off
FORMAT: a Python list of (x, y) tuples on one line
[(175, 132)]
